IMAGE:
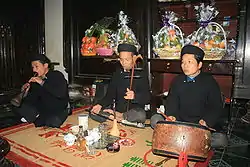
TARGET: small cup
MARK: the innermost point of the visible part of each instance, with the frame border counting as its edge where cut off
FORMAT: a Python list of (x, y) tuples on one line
[(69, 139), (83, 121)]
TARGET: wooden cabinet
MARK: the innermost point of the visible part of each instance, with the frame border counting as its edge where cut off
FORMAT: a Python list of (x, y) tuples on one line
[(220, 67), (93, 66)]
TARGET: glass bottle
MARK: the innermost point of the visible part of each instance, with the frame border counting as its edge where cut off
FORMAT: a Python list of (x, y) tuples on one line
[(80, 141)]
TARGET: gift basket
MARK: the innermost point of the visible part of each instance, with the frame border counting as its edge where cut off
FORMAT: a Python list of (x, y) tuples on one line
[(169, 40), (124, 34), (105, 43), (89, 42), (210, 36), (97, 39)]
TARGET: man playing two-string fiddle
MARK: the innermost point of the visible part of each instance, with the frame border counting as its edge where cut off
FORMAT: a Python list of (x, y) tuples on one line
[(46, 99), (129, 102), (194, 96)]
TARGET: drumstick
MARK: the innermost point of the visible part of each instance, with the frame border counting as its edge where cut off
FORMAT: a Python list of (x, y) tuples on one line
[(212, 129), (204, 124), (168, 119), (165, 116)]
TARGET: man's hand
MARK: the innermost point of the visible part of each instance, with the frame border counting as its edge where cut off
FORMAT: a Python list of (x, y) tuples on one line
[(96, 109), (130, 95), (172, 118), (119, 116), (108, 111), (202, 122), (37, 80), (26, 87)]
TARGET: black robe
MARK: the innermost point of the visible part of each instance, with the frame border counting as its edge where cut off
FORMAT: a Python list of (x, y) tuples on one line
[(195, 100), (49, 100), (120, 81)]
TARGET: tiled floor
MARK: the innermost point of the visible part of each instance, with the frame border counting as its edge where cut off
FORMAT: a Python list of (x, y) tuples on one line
[(237, 154)]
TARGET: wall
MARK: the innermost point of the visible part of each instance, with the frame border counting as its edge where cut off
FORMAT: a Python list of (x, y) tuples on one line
[(54, 32)]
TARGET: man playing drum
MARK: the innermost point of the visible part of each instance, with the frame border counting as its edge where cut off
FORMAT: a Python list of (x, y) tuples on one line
[(120, 92), (194, 96)]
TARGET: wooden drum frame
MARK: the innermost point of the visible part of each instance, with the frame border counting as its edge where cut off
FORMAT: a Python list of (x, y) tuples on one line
[(170, 138)]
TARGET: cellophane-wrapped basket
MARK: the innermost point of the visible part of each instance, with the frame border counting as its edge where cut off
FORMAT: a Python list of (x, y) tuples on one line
[(97, 39), (105, 43), (88, 47), (124, 34), (210, 36), (169, 40)]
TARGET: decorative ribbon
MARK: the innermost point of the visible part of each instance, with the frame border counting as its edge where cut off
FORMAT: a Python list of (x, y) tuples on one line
[(204, 23), (165, 21), (182, 160)]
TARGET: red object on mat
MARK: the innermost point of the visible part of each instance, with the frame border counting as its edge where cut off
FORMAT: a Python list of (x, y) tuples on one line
[(182, 160), (205, 163), (184, 157), (21, 161)]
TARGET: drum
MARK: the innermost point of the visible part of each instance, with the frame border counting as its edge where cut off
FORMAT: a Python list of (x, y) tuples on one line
[(172, 138), (4, 147)]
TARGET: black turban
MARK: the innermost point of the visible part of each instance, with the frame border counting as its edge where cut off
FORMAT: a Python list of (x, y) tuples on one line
[(127, 48), (196, 51), (40, 57)]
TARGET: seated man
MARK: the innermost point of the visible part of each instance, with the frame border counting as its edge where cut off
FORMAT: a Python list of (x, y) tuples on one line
[(46, 99), (194, 96), (119, 91)]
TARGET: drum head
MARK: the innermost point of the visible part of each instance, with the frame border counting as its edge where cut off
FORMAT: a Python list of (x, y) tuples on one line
[(184, 124)]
